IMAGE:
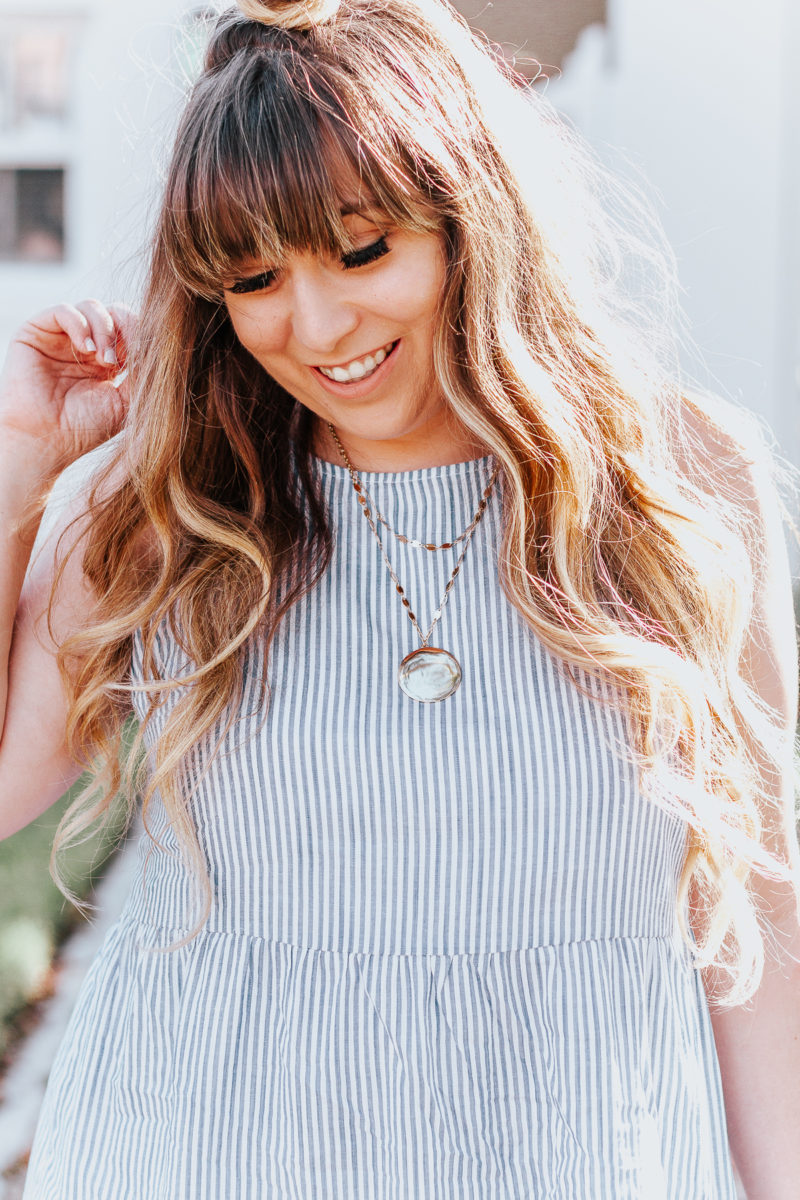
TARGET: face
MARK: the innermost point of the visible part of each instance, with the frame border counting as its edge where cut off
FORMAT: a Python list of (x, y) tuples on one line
[(352, 338)]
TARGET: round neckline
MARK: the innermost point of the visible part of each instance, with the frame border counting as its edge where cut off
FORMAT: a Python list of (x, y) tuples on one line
[(469, 466)]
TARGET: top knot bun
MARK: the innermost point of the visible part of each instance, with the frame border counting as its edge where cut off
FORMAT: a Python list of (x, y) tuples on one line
[(289, 14)]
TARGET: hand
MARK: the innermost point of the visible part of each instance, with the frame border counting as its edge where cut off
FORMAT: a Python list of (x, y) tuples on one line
[(58, 397)]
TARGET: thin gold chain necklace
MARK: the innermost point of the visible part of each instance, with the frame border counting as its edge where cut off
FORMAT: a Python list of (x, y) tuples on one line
[(429, 673), (401, 537)]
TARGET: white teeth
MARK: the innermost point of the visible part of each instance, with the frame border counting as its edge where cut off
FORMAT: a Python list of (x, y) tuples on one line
[(359, 368)]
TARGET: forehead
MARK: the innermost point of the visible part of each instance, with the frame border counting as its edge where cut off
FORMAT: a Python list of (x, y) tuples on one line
[(275, 174)]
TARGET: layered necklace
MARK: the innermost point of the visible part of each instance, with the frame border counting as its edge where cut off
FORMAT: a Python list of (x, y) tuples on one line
[(429, 673)]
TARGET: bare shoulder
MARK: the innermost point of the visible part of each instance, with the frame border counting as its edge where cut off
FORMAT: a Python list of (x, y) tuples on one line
[(56, 580), (725, 453), (73, 505), (746, 472), (723, 449)]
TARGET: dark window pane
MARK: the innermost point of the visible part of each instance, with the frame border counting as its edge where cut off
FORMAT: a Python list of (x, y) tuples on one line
[(8, 213), (32, 215)]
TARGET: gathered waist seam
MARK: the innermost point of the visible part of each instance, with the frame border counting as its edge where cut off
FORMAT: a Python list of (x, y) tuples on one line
[(176, 933)]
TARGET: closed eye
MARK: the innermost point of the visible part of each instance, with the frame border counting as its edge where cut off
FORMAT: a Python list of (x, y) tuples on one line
[(366, 254), (360, 257), (255, 283)]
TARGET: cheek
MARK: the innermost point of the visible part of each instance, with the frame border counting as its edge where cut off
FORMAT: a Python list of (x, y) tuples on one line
[(427, 286), (256, 331), (413, 294)]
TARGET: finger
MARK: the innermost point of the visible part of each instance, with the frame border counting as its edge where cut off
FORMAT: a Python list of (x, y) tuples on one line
[(103, 332), (125, 322), (64, 319)]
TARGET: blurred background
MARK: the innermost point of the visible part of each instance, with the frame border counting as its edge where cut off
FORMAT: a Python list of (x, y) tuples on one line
[(699, 98), (697, 101)]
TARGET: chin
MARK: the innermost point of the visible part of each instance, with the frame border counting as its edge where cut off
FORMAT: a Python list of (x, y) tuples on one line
[(375, 429)]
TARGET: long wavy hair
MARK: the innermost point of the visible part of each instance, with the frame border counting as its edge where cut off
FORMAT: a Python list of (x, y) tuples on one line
[(556, 346)]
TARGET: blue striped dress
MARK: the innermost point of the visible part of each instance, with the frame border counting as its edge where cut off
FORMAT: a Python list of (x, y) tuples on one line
[(443, 960)]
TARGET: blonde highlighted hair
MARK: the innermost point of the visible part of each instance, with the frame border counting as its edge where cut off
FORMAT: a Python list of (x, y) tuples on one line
[(555, 347)]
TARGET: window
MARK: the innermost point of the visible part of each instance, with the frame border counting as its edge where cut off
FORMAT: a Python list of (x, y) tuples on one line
[(32, 215), (37, 61), (34, 71)]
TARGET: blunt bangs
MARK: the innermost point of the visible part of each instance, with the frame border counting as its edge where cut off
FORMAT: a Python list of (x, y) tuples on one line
[(267, 161)]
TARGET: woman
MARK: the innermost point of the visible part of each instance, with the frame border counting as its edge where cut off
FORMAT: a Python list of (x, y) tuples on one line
[(461, 643)]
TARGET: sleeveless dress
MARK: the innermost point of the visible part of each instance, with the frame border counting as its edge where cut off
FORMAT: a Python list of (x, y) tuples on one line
[(443, 960)]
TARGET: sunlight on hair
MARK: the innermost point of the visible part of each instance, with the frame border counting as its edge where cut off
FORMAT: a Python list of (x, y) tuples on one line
[(556, 346)]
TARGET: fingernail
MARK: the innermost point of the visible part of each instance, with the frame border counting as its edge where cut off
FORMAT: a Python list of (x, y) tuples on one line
[(89, 346), (110, 356)]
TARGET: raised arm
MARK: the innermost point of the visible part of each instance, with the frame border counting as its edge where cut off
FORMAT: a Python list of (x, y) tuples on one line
[(57, 402)]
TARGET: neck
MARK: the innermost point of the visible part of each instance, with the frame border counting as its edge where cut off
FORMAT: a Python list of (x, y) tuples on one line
[(434, 449)]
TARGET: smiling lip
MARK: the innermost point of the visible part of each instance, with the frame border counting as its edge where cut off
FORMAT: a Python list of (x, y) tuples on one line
[(358, 368), (358, 387)]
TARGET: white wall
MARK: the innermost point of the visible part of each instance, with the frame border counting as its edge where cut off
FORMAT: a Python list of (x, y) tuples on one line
[(702, 95)]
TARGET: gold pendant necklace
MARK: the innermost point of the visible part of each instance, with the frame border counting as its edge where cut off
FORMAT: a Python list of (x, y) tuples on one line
[(429, 673)]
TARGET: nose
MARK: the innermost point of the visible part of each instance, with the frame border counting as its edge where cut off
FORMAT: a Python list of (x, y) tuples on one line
[(322, 315)]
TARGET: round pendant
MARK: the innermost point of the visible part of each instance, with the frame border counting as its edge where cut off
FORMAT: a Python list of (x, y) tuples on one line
[(429, 674)]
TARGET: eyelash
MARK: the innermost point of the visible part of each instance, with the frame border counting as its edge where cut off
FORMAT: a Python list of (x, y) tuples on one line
[(356, 258)]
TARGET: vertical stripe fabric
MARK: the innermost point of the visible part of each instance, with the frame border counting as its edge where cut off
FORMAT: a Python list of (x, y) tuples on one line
[(443, 960)]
